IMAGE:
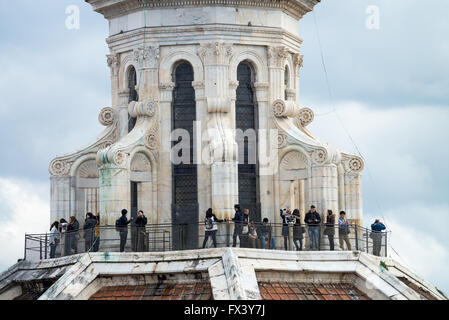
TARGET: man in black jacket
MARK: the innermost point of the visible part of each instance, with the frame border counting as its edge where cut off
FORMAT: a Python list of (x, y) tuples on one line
[(238, 225), (313, 220), (88, 228), (123, 224)]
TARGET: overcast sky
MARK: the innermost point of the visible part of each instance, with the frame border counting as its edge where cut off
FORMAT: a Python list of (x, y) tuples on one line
[(389, 89)]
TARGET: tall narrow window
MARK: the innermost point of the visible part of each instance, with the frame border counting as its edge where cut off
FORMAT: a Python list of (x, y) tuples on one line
[(185, 178), (286, 82), (245, 112), (133, 96)]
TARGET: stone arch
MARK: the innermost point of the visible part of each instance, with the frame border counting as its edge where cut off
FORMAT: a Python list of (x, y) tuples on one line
[(258, 63), (143, 165), (85, 195), (171, 60), (295, 148), (126, 64), (81, 160)]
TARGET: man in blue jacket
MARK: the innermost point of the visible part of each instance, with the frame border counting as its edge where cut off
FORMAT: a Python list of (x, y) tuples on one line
[(376, 234)]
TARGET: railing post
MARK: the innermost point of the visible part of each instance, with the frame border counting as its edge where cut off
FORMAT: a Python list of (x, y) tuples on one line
[(367, 241), (46, 249), (228, 234), (356, 231), (386, 244), (25, 248)]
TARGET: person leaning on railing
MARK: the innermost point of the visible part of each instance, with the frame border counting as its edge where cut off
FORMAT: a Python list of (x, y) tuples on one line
[(376, 234), (73, 234), (313, 221), (265, 234), (329, 231), (343, 231), (88, 228)]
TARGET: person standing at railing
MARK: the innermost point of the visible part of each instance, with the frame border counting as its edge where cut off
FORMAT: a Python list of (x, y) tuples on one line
[(329, 231), (211, 227), (141, 222), (343, 231), (238, 226), (122, 225), (73, 234), (96, 244), (265, 234), (285, 228), (54, 238), (63, 232), (252, 236), (89, 225), (298, 231), (376, 234), (245, 229), (313, 220)]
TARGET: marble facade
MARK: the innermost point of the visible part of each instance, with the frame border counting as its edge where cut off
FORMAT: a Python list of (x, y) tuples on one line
[(214, 37)]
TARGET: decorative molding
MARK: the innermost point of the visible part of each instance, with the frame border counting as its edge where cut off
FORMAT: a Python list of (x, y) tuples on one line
[(59, 167), (107, 116), (215, 53), (88, 169), (298, 60), (282, 108), (147, 57), (282, 140), (169, 86), (145, 108), (110, 9), (294, 160), (113, 61), (140, 163), (305, 117), (277, 56), (319, 156)]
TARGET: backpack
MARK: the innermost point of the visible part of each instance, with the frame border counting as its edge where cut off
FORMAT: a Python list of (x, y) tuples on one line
[(209, 223), (118, 225)]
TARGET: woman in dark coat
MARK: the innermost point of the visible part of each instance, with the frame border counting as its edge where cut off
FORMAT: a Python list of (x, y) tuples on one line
[(285, 230), (330, 228), (298, 231)]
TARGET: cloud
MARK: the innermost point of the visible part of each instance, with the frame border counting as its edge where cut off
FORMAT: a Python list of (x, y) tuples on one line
[(421, 251), (25, 209), (387, 66)]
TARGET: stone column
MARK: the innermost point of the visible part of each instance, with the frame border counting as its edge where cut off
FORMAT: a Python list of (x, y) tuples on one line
[(353, 197), (165, 166), (276, 64), (324, 188), (223, 151)]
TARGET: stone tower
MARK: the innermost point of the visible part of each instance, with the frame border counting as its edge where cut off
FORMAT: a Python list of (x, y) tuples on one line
[(209, 68)]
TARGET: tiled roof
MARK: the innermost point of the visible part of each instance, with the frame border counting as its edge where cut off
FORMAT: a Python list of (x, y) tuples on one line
[(309, 291), (164, 291)]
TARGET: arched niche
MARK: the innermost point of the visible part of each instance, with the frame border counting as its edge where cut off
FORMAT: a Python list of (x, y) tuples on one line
[(87, 186)]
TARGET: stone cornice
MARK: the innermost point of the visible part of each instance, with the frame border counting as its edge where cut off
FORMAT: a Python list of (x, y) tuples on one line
[(113, 8)]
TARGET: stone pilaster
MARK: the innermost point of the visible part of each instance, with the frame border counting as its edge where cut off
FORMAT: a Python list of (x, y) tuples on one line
[(224, 166)]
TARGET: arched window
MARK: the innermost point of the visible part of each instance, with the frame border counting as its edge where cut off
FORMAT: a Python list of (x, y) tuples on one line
[(184, 175), (286, 82), (133, 96), (246, 119)]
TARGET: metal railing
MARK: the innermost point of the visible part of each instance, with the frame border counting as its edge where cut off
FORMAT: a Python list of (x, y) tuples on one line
[(169, 237)]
